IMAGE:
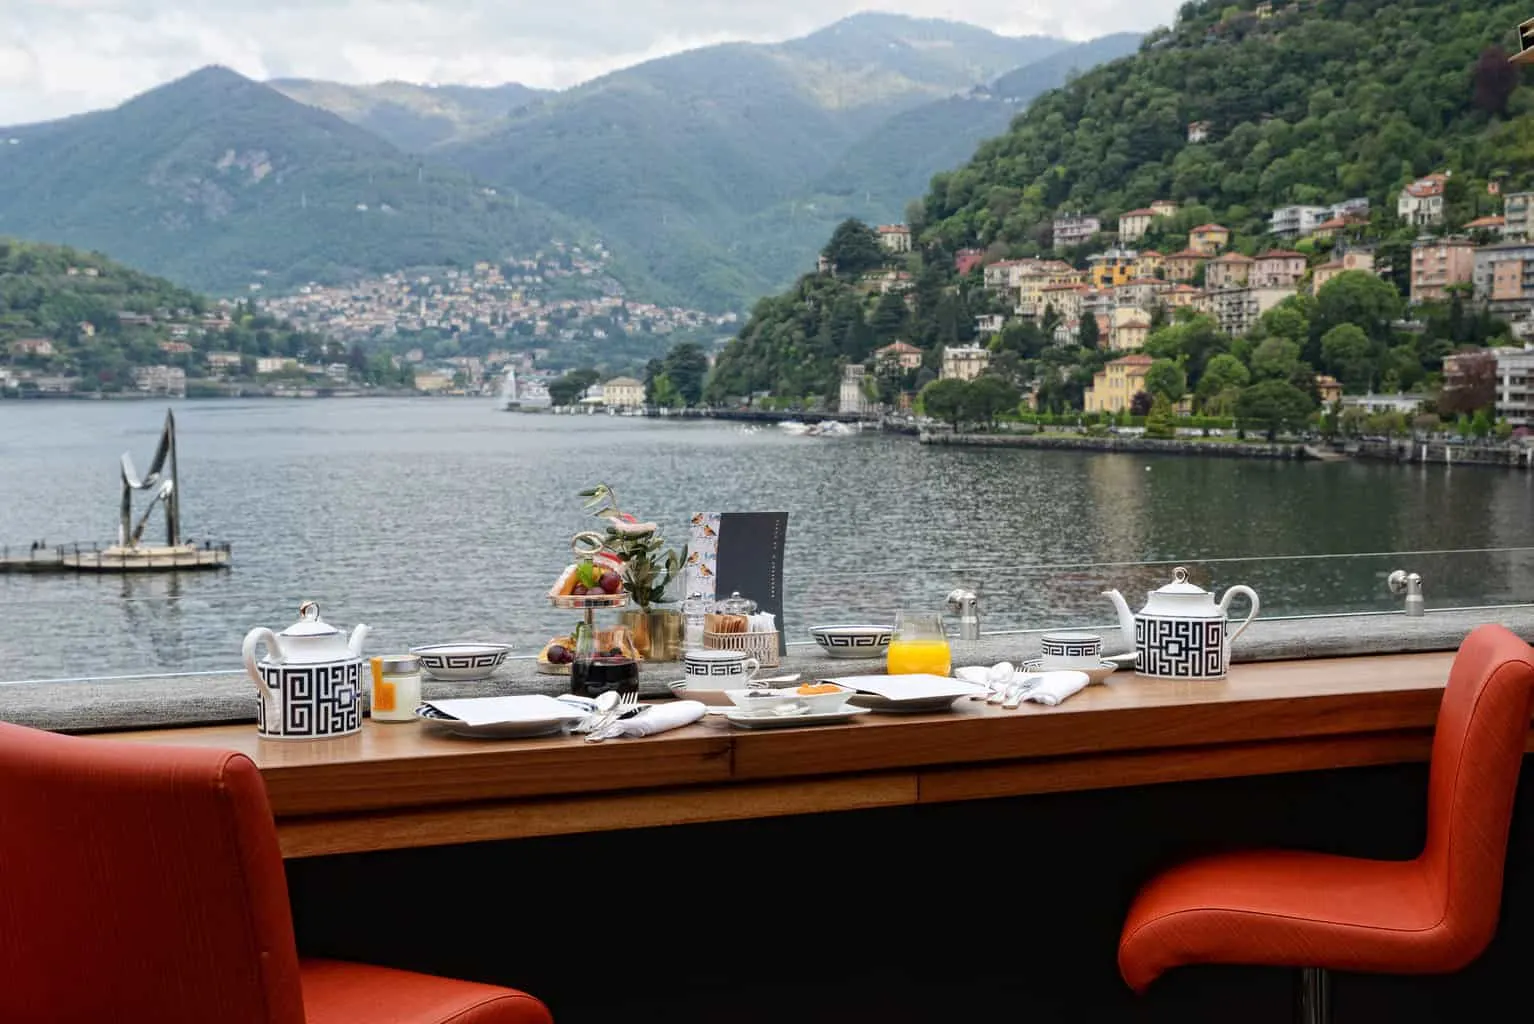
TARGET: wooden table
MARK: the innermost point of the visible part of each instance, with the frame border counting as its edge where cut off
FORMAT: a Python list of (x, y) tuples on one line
[(397, 786)]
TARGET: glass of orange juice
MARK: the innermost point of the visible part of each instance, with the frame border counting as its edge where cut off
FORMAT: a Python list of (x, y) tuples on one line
[(919, 646)]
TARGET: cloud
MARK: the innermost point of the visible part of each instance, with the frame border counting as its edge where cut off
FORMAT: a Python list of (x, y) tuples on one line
[(63, 56)]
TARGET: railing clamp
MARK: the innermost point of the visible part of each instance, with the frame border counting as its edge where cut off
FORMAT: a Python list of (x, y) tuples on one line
[(1410, 584), (962, 603)]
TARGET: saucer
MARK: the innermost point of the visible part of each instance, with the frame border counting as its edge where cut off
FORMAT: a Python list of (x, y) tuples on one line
[(1104, 669), (735, 716)]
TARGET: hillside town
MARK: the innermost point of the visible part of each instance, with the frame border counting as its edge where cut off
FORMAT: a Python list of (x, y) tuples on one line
[(554, 296), (1114, 297)]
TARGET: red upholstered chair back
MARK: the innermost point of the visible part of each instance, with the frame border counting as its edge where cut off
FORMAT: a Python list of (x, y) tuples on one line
[(1478, 746), (139, 883)]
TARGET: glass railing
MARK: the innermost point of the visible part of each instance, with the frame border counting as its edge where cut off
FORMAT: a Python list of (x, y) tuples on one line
[(131, 628)]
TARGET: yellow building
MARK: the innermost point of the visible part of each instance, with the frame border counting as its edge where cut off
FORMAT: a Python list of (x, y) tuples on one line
[(1065, 299), (1130, 328), (1149, 263), (1208, 239), (1031, 284), (1111, 268), (1183, 266), (1180, 296), (623, 393), (1117, 384)]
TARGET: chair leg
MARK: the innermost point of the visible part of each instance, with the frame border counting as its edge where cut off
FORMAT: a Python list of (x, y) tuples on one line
[(1313, 1003)]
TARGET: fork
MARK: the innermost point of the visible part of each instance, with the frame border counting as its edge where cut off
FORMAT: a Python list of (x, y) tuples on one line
[(628, 705)]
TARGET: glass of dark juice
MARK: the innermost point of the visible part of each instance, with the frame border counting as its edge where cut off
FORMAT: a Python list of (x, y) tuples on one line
[(593, 676)]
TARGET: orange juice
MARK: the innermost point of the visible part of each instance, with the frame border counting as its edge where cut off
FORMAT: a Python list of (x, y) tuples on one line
[(917, 657)]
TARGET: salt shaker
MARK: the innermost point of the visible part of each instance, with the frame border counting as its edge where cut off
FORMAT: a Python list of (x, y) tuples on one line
[(694, 619), (396, 687)]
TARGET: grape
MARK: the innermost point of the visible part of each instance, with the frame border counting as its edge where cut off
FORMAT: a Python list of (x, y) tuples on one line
[(559, 655), (580, 590), (611, 582)]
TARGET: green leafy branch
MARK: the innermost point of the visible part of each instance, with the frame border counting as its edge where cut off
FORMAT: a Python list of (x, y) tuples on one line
[(648, 568)]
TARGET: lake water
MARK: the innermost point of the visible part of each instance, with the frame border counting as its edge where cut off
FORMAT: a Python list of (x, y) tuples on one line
[(444, 519)]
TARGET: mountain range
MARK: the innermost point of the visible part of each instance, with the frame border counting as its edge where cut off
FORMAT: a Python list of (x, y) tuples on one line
[(712, 174)]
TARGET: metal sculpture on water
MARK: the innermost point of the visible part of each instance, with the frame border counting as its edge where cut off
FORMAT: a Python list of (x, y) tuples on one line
[(161, 479)]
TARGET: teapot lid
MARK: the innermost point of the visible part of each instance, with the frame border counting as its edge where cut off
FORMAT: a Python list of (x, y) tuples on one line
[(309, 623), (737, 605), (1180, 584)]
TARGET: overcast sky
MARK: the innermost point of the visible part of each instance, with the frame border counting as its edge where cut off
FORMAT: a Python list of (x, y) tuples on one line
[(61, 57)]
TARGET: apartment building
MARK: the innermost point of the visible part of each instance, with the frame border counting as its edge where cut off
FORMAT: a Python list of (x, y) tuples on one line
[(1278, 268), (1297, 221), (964, 362), (1437, 264), (1503, 277), (1518, 216), (1232, 270), (1237, 310), (1074, 228), (1116, 384)]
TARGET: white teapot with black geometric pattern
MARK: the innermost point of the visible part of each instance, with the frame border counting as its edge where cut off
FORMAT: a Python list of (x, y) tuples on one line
[(1182, 632), (310, 682)]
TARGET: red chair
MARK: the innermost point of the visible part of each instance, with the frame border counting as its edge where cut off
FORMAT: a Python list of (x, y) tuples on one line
[(1317, 912), (144, 884)]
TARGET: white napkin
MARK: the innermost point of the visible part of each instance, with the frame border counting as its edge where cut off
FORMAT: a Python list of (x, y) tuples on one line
[(658, 718), (1050, 688)]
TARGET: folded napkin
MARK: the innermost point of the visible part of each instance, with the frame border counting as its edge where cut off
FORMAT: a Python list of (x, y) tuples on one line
[(658, 718), (1050, 688)]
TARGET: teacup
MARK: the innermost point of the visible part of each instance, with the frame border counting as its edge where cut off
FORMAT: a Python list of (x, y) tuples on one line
[(718, 670), (1070, 651)]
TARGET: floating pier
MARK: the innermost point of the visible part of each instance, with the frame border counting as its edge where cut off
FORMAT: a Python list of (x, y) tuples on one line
[(130, 554)]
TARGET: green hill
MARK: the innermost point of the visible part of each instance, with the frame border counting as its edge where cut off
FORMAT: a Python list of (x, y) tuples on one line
[(220, 182), (100, 319), (1324, 100), (1313, 103)]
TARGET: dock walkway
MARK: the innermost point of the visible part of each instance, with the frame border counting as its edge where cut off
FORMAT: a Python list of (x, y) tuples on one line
[(94, 558)]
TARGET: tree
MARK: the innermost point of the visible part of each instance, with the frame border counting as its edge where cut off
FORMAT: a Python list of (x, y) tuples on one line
[(1494, 79), (889, 319), (1275, 359), (685, 367), (1360, 298), (1222, 372), (1165, 379), (1088, 334), (1471, 386), (1160, 422), (945, 400), (1140, 404), (1192, 342), (1345, 351), (987, 397), (567, 390), (1273, 406), (854, 248)]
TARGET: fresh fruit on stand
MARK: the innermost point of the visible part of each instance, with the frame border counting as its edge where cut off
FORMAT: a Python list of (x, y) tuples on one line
[(611, 582)]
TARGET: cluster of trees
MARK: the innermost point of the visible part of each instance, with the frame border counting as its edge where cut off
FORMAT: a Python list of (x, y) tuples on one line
[(674, 382), (983, 400)]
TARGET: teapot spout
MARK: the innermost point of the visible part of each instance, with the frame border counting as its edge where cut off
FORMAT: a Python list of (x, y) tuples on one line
[(354, 643), (1126, 617)]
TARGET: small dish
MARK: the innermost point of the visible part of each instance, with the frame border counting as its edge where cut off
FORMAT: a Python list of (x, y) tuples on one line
[(461, 661), (746, 720), (1098, 674), (854, 641), (775, 701), (916, 706)]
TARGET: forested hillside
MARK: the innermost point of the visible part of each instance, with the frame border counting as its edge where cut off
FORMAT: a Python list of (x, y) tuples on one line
[(1310, 102)]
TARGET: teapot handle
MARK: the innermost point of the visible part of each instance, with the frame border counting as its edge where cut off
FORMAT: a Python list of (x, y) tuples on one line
[(274, 649), (1251, 596)]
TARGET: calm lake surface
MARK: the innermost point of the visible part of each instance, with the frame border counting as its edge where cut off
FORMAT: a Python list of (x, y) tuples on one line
[(445, 519)]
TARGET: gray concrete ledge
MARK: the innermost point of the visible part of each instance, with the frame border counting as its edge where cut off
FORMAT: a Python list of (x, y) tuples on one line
[(96, 705)]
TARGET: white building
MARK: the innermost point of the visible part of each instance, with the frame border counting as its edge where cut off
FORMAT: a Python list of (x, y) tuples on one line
[(1518, 216), (1515, 367), (850, 400), (623, 393), (964, 362), (896, 238), (1421, 203), (1074, 228), (160, 380), (1238, 309), (1405, 404), (1297, 221)]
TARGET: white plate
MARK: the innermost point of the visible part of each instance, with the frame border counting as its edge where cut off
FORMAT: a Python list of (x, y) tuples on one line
[(493, 731), (1103, 670), (918, 706), (759, 721)]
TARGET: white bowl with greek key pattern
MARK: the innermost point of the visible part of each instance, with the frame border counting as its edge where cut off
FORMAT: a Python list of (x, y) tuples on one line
[(855, 641), (461, 661)]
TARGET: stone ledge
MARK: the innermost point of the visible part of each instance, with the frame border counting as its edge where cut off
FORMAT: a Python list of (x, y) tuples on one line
[(97, 705)]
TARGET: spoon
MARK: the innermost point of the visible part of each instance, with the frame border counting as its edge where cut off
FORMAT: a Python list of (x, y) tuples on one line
[(605, 704), (997, 679)]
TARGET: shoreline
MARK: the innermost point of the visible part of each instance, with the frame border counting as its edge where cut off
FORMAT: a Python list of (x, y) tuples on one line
[(1138, 445)]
